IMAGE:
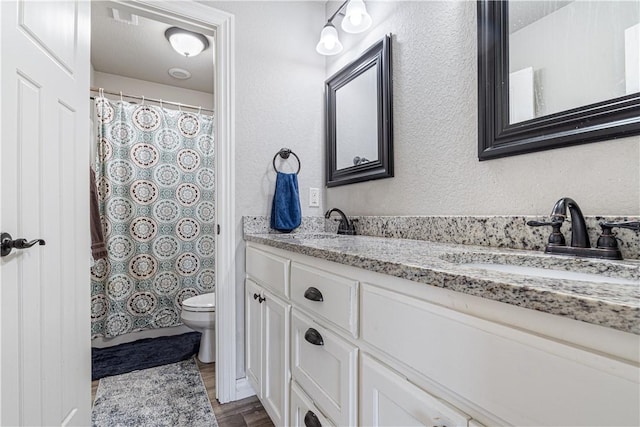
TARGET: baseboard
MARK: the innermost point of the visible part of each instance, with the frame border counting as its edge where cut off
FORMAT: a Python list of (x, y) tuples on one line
[(243, 389)]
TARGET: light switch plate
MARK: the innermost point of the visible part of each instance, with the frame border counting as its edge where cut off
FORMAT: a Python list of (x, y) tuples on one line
[(314, 197)]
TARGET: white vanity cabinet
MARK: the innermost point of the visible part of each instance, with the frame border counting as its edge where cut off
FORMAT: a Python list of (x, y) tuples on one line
[(397, 352), (267, 317)]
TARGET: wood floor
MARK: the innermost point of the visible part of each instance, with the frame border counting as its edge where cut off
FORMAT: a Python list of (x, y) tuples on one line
[(246, 412)]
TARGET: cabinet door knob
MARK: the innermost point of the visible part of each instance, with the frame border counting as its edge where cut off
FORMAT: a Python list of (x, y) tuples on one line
[(311, 420), (256, 296), (313, 337), (313, 294), (260, 299)]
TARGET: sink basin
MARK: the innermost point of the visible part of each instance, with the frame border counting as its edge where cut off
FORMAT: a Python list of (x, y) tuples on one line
[(554, 267), (551, 273)]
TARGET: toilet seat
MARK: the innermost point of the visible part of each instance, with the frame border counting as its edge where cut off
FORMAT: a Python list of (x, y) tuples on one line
[(204, 302)]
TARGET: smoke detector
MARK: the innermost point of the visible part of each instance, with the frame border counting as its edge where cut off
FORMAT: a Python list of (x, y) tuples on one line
[(179, 73)]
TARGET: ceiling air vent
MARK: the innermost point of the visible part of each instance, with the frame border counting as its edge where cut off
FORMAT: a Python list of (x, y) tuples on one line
[(124, 17)]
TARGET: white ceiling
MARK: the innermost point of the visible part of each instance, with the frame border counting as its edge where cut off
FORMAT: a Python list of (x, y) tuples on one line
[(142, 52)]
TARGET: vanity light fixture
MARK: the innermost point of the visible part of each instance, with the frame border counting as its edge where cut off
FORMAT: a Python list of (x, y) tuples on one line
[(356, 20), (185, 42)]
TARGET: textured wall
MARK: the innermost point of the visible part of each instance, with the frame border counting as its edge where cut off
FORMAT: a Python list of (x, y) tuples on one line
[(279, 102), (279, 98), (435, 132)]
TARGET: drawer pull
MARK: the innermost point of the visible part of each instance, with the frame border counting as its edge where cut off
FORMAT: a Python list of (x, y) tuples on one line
[(313, 294), (313, 337), (311, 420)]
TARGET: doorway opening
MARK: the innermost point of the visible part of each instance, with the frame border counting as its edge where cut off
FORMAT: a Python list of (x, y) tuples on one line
[(131, 58)]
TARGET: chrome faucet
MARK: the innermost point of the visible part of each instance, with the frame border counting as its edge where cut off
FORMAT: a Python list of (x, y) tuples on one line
[(607, 246), (345, 226)]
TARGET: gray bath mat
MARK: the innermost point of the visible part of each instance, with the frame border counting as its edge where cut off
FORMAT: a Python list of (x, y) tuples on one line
[(169, 395)]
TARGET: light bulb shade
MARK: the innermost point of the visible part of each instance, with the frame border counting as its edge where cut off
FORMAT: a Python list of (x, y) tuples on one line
[(186, 43), (356, 19), (329, 43)]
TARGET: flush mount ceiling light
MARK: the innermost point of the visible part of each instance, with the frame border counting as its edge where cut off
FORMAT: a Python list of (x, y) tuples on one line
[(185, 42), (356, 20)]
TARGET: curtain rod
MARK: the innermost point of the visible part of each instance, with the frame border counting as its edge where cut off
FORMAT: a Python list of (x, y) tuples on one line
[(160, 101)]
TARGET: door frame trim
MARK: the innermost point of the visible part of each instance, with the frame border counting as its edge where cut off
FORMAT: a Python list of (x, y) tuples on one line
[(223, 24)]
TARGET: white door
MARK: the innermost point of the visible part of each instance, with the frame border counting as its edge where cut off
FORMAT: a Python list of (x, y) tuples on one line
[(44, 152)]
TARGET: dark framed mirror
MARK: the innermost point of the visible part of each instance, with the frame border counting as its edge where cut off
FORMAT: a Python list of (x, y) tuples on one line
[(590, 93), (359, 132)]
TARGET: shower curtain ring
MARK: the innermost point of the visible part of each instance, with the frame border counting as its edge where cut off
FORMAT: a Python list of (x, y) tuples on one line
[(161, 104), (121, 100), (142, 99), (179, 107), (200, 110)]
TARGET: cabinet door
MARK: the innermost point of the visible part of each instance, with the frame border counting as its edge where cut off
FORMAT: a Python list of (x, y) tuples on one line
[(253, 330), (387, 399), (326, 366), (275, 350)]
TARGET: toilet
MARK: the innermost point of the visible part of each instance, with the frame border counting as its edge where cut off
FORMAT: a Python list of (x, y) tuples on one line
[(199, 313)]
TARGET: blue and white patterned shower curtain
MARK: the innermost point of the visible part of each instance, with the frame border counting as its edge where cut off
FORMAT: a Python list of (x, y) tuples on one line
[(155, 180)]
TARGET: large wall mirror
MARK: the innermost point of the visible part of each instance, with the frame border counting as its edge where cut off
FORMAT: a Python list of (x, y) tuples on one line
[(556, 73), (359, 122)]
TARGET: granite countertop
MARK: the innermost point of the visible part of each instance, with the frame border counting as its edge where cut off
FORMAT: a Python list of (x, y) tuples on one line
[(613, 305)]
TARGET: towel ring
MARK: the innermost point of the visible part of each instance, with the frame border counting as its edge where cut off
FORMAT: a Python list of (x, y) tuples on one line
[(284, 153)]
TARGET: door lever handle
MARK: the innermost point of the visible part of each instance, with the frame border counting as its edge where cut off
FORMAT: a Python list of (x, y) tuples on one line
[(7, 243), (23, 244)]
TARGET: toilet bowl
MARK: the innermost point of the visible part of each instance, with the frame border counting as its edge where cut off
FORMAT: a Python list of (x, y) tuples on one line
[(199, 313)]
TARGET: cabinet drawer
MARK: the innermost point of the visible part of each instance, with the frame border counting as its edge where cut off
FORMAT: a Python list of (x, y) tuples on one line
[(303, 412), (484, 362), (326, 370), (268, 270), (338, 296), (387, 399)]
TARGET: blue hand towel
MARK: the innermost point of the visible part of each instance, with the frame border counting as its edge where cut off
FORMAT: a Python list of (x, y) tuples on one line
[(286, 213)]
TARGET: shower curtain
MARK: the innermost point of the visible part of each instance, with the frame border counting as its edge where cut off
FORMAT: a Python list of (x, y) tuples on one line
[(155, 181)]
